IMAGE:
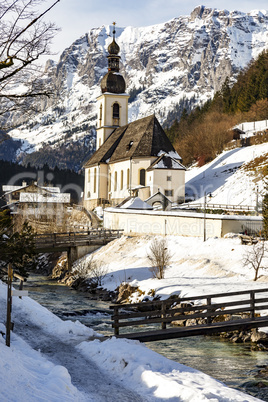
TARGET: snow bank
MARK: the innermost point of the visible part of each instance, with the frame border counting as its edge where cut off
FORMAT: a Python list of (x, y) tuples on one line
[(43, 318), (27, 376), (156, 377), (196, 267)]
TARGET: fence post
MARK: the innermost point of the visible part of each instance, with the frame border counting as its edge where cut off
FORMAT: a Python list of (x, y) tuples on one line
[(163, 314), (116, 327), (252, 304), (9, 304), (209, 319)]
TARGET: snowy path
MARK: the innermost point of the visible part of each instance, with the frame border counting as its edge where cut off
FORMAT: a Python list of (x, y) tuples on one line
[(85, 374)]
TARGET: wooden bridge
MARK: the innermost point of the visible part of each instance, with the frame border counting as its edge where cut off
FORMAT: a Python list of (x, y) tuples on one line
[(77, 244), (242, 308)]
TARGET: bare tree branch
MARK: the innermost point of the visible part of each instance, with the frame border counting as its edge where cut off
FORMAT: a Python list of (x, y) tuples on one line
[(25, 36)]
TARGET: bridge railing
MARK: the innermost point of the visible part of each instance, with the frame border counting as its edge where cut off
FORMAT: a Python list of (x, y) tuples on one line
[(76, 238), (163, 311)]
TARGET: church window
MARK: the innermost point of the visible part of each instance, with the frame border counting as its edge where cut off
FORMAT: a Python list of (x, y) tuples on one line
[(116, 114), (122, 180), (169, 193), (128, 181), (110, 179), (100, 114), (95, 180), (115, 181), (88, 176), (168, 178), (142, 177)]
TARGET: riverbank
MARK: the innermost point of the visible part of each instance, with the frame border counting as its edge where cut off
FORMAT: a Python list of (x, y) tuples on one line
[(75, 369), (124, 273)]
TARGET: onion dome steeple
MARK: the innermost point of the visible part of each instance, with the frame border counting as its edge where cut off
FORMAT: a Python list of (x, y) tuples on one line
[(113, 81)]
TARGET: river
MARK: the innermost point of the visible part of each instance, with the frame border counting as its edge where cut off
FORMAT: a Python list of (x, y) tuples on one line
[(236, 365)]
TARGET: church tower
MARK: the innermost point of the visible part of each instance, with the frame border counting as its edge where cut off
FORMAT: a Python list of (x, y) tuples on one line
[(112, 105)]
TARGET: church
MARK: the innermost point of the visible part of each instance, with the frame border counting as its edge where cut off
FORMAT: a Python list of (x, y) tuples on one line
[(134, 158)]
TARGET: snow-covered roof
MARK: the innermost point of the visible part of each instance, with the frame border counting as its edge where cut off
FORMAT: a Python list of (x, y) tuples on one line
[(165, 161), (135, 203), (248, 129), (10, 189)]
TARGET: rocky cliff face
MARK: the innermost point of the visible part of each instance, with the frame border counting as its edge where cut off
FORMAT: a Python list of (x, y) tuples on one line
[(167, 67)]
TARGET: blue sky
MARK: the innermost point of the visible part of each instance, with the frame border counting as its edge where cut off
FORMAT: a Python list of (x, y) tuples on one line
[(75, 17)]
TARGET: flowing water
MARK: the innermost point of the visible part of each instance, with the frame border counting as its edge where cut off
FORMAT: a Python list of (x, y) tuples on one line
[(236, 365)]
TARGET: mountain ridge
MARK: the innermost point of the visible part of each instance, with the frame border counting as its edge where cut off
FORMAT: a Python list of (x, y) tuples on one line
[(168, 67)]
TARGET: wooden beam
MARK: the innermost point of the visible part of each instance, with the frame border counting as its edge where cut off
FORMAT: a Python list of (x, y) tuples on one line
[(172, 333)]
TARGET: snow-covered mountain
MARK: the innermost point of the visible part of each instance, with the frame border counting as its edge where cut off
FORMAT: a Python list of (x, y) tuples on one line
[(167, 67)]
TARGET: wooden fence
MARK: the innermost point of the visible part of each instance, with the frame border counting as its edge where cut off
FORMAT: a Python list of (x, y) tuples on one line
[(244, 308)]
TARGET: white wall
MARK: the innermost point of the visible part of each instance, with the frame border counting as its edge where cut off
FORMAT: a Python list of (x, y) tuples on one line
[(253, 125), (176, 223), (158, 179)]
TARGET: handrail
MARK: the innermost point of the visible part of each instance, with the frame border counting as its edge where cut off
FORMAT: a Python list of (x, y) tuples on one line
[(67, 239), (164, 314)]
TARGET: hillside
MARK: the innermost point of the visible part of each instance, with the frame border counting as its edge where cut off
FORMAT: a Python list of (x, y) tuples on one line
[(229, 177), (203, 133), (168, 68)]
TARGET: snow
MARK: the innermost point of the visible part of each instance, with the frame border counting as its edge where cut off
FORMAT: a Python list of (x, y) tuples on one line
[(136, 203), (26, 375), (29, 375), (165, 52), (154, 376), (33, 371), (226, 178), (196, 267)]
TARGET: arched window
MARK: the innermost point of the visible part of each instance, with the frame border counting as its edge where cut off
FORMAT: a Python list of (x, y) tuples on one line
[(100, 114), (127, 178), (122, 180), (115, 181), (116, 114), (142, 177), (95, 180), (110, 179)]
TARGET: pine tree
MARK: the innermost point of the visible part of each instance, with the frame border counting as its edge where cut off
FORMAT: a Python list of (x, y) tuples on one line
[(17, 248)]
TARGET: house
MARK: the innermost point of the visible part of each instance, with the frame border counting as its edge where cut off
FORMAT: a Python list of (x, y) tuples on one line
[(134, 158), (32, 201)]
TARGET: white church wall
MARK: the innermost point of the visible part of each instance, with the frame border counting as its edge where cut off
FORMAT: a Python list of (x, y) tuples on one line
[(171, 183), (125, 175)]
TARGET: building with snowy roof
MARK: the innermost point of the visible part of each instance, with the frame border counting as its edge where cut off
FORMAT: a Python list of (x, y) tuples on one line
[(32, 201), (130, 158)]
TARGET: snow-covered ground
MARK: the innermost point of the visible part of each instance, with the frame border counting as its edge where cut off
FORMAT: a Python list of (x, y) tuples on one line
[(196, 267), (223, 178), (54, 360), (59, 361)]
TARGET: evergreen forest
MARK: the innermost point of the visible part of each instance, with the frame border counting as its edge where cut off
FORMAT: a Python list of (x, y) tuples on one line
[(202, 134)]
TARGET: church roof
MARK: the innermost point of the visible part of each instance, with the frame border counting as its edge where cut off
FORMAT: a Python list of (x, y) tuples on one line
[(142, 138)]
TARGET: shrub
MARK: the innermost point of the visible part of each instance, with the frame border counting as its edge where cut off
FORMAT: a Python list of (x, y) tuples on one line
[(159, 257)]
